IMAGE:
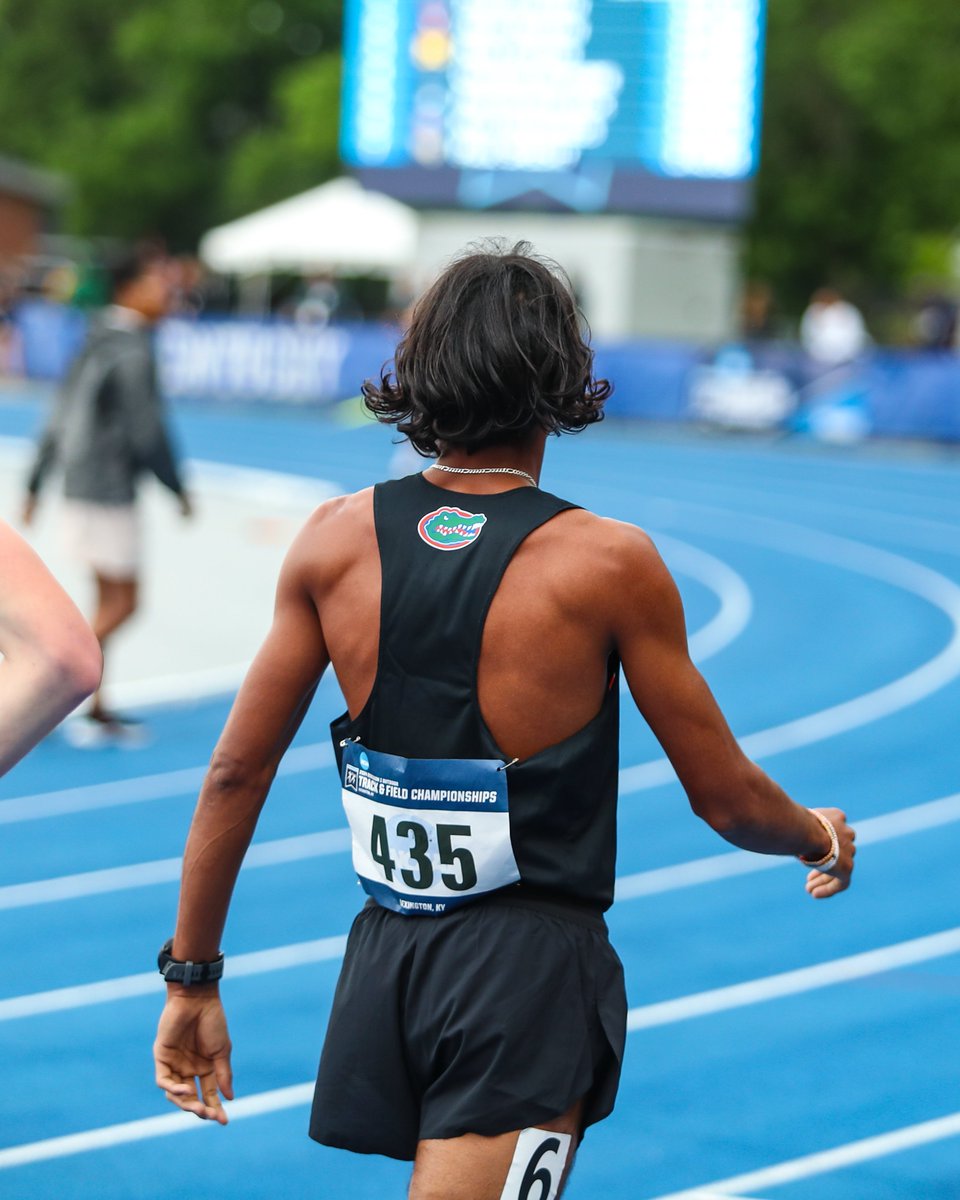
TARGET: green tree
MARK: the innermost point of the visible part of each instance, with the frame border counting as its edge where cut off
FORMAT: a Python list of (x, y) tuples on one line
[(174, 115), (860, 167)]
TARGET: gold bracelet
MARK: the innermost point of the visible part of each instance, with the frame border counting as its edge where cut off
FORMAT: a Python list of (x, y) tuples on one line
[(832, 857)]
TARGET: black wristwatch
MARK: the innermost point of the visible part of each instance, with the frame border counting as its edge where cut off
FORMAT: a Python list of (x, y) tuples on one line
[(175, 970)]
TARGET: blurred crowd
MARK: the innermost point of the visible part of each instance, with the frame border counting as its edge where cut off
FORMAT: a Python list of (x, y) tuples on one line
[(82, 283), (833, 331)]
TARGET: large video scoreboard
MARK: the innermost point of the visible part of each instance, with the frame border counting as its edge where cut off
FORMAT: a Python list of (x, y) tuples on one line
[(625, 105)]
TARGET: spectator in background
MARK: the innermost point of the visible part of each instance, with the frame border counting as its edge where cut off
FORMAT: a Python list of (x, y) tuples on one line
[(832, 330), (49, 658), (757, 317), (935, 323), (192, 287), (320, 301), (106, 430)]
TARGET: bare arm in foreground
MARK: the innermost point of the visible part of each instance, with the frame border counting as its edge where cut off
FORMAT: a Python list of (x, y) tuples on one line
[(50, 659), (728, 791)]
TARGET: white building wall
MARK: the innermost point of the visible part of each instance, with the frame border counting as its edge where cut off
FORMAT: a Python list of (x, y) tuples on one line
[(634, 277)]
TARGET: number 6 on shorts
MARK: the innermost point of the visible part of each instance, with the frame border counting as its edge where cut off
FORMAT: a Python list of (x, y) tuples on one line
[(536, 1170)]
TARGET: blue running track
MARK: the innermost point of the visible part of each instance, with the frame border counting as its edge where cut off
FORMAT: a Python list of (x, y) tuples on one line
[(777, 1045)]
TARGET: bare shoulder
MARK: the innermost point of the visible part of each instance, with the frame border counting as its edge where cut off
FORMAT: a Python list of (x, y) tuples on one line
[(335, 535), (341, 514), (614, 551)]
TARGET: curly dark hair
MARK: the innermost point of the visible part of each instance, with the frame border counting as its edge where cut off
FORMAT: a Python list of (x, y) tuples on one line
[(495, 349)]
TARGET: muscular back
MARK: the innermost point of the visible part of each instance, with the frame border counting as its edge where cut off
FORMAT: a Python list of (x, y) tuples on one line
[(549, 633), (579, 588)]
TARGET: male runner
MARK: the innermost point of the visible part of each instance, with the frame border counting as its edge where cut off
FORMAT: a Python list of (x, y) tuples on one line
[(476, 626)]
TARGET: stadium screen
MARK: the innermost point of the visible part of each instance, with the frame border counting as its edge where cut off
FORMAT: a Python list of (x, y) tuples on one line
[(647, 106)]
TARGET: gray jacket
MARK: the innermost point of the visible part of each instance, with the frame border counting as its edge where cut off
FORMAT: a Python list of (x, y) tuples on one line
[(107, 426)]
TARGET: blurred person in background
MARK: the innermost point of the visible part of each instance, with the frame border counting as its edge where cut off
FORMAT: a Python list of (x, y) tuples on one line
[(832, 330), (49, 658), (757, 311), (190, 286), (106, 430), (11, 351), (320, 301), (935, 323)]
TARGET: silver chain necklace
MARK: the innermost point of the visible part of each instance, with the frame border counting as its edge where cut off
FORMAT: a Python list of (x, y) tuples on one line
[(483, 471)]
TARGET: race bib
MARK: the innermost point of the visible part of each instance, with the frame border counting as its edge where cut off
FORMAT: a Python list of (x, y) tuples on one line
[(428, 834)]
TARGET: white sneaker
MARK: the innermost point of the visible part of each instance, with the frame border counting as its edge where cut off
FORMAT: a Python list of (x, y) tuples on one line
[(91, 733)]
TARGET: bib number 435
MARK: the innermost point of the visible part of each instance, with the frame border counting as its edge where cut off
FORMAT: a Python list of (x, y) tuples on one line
[(427, 854)]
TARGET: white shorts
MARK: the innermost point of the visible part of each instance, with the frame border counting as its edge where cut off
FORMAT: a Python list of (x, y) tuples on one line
[(104, 537)]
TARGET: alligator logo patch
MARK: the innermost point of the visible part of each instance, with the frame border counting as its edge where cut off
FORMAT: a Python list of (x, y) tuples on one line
[(450, 528)]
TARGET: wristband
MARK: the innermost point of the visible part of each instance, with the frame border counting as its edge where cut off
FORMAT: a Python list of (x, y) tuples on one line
[(175, 970), (832, 857)]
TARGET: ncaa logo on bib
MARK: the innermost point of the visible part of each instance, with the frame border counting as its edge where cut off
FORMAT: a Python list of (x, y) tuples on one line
[(451, 528), (364, 761)]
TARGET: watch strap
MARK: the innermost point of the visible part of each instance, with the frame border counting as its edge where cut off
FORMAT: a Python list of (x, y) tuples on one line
[(187, 972)]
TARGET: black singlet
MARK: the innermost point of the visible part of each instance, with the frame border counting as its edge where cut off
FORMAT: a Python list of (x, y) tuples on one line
[(442, 556)]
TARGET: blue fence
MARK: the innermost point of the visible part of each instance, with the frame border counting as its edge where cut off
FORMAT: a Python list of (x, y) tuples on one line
[(765, 385)]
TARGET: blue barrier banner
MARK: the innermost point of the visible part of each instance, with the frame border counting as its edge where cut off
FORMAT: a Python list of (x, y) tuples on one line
[(914, 394), (51, 336), (756, 385), (649, 378), (269, 360)]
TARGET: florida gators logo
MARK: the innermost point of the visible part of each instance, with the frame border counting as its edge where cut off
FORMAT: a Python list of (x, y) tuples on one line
[(450, 528)]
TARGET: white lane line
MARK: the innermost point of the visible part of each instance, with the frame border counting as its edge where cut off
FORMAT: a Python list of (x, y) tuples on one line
[(736, 601), (861, 710), (167, 870), (810, 1165), (796, 539), (162, 786), (151, 1127), (665, 1012), (301, 1094), (84, 995), (903, 573), (919, 817), (792, 983)]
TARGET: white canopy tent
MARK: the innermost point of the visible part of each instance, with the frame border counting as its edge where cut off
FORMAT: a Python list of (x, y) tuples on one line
[(338, 226)]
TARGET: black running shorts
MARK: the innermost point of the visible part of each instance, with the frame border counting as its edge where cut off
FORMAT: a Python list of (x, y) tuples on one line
[(496, 1017)]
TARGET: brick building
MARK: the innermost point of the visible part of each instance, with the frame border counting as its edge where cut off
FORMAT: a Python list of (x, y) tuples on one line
[(28, 200)]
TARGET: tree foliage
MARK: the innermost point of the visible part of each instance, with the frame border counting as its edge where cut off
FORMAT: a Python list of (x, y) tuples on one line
[(860, 168), (173, 115)]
